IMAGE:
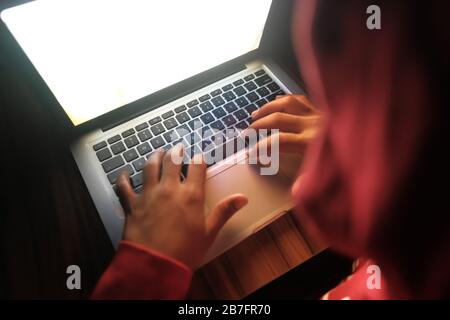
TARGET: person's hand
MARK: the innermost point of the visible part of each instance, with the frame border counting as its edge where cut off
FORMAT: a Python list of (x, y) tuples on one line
[(169, 214), (296, 118)]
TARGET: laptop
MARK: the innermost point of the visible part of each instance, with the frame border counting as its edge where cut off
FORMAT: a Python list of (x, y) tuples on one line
[(134, 76)]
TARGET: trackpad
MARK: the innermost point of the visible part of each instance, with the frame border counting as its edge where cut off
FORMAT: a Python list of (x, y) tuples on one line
[(267, 195)]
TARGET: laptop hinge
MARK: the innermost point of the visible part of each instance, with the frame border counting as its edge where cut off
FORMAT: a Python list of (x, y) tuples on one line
[(182, 90)]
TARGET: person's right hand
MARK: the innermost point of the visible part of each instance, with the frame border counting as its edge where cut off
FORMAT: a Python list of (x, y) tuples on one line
[(169, 214), (296, 118)]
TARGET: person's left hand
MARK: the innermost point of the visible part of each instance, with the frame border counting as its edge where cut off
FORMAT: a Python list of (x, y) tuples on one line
[(169, 214)]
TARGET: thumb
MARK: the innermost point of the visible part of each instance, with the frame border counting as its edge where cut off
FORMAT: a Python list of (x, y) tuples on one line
[(223, 211), (125, 192)]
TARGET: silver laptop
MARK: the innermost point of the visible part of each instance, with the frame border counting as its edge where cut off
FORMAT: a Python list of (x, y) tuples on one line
[(135, 76)]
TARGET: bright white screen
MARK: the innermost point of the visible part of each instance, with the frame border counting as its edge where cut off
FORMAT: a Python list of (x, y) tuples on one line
[(98, 55)]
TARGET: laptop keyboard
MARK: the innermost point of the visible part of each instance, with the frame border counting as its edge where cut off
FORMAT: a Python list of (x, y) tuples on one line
[(201, 125)]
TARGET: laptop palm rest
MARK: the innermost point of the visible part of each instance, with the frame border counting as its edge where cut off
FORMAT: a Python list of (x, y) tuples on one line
[(269, 196)]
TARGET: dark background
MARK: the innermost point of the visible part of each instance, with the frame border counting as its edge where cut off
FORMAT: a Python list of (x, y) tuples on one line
[(47, 218)]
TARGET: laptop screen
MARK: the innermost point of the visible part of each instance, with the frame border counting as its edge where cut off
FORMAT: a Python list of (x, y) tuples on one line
[(99, 55)]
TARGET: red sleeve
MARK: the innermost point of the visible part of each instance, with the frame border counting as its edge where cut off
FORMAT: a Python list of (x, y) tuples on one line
[(356, 287), (138, 272)]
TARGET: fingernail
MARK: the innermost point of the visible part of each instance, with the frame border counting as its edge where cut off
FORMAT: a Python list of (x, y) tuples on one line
[(240, 203), (254, 113)]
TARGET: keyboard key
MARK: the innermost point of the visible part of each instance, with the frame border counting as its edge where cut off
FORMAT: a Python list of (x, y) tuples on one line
[(273, 96), (251, 108), (195, 124), (130, 155), (183, 130), (216, 92), (170, 123), (204, 98), (158, 129), (170, 136), (180, 109), (229, 120), (194, 112), (182, 117), (242, 125), (261, 81), (112, 164), (240, 114), (249, 77), (168, 114), (137, 180), (219, 112), (261, 103), (112, 177), (99, 145), (114, 139), (227, 87), (155, 121), (259, 73), (229, 96), (241, 102), (239, 82), (145, 135), (218, 138), (157, 142), (218, 101), (273, 87), (118, 147), (128, 132), (205, 132), (252, 96), (207, 118), (142, 126), (193, 138), (250, 86), (104, 154), (131, 141), (230, 107), (217, 125), (263, 92), (139, 189), (192, 151), (240, 91), (207, 145), (144, 148), (182, 141), (139, 164), (207, 106), (192, 103)]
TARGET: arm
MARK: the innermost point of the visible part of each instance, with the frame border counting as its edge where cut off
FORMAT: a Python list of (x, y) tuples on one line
[(137, 272), (167, 232)]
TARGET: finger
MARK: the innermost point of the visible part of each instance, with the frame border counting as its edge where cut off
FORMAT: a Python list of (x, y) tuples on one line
[(171, 166), (282, 121), (197, 171), (152, 170), (125, 192), (287, 143), (292, 104), (223, 211)]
